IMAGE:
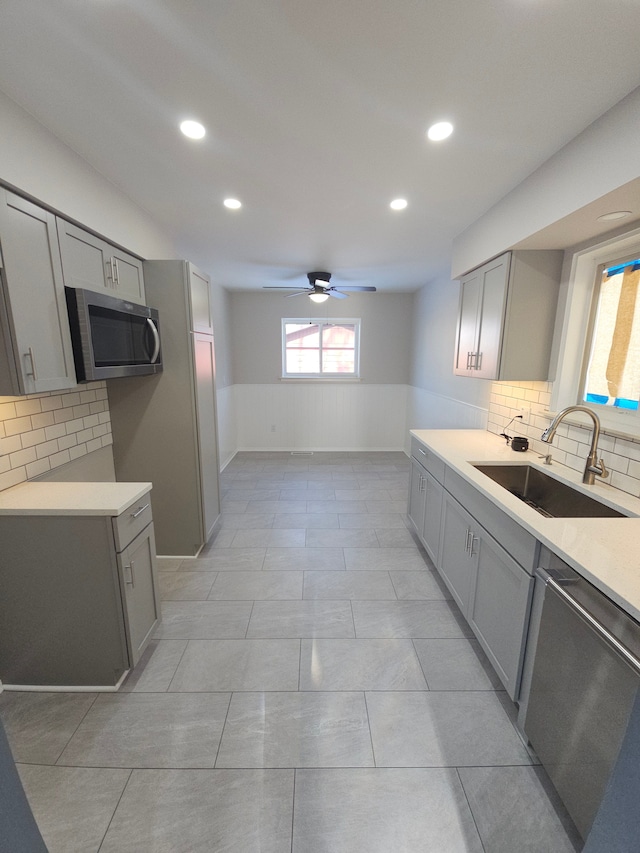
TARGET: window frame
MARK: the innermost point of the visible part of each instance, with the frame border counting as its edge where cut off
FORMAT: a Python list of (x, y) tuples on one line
[(322, 322), (573, 330)]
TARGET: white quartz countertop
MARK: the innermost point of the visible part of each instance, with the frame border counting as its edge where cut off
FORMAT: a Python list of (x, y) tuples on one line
[(70, 498), (603, 550)]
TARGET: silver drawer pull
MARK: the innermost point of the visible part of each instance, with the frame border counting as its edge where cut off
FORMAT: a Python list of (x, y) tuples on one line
[(32, 358), (131, 582), (139, 511), (424, 452)]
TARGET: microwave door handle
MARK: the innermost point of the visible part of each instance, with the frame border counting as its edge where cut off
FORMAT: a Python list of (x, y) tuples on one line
[(156, 340)]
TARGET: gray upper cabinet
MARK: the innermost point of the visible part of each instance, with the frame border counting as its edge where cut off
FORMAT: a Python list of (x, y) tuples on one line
[(507, 315), (35, 342), (93, 264)]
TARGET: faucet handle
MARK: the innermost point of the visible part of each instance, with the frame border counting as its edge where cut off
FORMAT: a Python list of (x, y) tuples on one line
[(602, 471), (547, 459)]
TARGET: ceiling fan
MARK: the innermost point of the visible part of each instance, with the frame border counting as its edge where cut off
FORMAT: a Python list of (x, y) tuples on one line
[(319, 288)]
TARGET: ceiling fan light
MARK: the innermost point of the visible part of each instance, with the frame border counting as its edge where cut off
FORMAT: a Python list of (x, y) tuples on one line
[(318, 297)]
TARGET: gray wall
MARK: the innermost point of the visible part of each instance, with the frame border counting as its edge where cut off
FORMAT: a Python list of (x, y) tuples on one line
[(256, 348)]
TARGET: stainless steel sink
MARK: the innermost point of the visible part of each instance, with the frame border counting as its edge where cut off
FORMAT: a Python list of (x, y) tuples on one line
[(545, 494)]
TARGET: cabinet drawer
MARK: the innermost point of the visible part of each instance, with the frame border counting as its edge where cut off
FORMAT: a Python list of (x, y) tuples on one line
[(513, 538), (128, 524), (434, 465)]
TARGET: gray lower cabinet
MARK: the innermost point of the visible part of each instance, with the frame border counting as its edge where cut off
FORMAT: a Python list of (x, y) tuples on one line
[(78, 597), (35, 342), (91, 263), (425, 497), (492, 590)]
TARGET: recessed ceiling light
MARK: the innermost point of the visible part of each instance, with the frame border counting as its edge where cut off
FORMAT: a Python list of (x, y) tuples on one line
[(232, 203), (615, 214), (398, 204), (440, 130), (193, 129)]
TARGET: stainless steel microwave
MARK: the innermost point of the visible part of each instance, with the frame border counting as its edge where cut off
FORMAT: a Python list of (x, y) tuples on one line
[(112, 337)]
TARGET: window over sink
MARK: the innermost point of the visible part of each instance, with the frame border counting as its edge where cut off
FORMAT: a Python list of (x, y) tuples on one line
[(598, 339)]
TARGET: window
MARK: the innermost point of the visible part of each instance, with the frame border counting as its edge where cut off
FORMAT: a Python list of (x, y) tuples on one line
[(612, 374), (320, 348), (598, 340)]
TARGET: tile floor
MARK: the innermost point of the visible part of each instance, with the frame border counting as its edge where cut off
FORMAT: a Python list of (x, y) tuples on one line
[(311, 689)]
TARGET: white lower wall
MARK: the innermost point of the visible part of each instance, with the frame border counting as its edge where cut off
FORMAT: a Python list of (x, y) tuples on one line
[(426, 410), (327, 416), (227, 424), (302, 416)]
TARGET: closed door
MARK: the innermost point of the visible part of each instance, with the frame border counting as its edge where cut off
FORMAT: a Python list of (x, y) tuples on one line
[(204, 360), (433, 496), (467, 340), (458, 552), (498, 610), (128, 282), (137, 566), (34, 292), (491, 320), (200, 298), (416, 495), (85, 258)]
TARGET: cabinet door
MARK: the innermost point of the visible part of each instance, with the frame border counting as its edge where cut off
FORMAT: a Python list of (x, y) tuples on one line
[(128, 280), (458, 559), (204, 360), (468, 320), (491, 318), (37, 354), (142, 604), (499, 609), (85, 258), (200, 301), (433, 497), (415, 510), (93, 264)]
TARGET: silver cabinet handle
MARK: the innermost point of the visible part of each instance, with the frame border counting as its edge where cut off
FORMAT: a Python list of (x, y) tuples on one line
[(139, 511), (32, 358), (467, 541), (116, 277), (424, 452), (478, 364), (110, 274), (156, 340), (131, 582), (474, 539)]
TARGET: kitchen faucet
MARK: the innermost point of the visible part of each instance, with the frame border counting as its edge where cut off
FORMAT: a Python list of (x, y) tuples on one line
[(594, 465)]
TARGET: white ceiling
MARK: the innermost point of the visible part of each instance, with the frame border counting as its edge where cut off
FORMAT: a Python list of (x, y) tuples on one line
[(316, 113)]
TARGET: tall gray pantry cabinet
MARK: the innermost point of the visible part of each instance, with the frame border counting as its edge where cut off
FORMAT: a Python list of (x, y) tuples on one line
[(164, 426)]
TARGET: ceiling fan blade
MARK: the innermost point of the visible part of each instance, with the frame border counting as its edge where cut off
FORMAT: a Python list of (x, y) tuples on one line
[(356, 287), (336, 293), (279, 287), (299, 293)]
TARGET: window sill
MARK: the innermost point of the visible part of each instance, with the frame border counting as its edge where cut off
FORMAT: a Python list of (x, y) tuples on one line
[(323, 379)]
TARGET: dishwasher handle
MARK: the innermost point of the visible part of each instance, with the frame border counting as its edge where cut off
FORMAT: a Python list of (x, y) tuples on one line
[(600, 629)]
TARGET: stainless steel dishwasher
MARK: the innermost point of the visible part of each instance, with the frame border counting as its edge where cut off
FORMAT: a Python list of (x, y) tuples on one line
[(584, 681)]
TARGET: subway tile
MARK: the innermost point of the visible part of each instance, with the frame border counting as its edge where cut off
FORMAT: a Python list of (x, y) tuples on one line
[(61, 416), (12, 478), (77, 451), (48, 404), (7, 411), (55, 431), (11, 444), (41, 466), (70, 399), (30, 406), (47, 449), (22, 457), (17, 425), (57, 459), (94, 444)]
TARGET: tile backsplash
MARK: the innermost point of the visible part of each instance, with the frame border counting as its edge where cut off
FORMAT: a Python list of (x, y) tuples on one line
[(39, 432), (571, 444)]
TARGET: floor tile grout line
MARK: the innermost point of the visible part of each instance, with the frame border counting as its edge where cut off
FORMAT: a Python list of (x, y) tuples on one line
[(124, 788), (95, 699), (226, 717), (171, 680), (473, 817)]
